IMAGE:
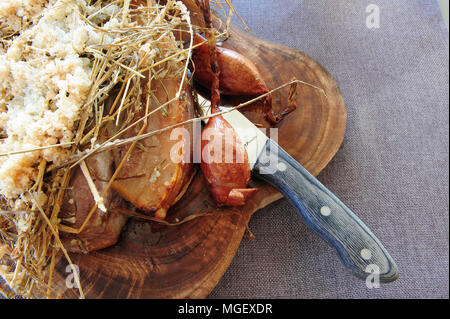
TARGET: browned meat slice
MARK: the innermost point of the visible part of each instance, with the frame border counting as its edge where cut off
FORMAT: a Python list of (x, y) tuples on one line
[(103, 229), (151, 180)]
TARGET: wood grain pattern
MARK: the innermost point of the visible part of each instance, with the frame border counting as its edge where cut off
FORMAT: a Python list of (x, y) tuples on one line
[(187, 261)]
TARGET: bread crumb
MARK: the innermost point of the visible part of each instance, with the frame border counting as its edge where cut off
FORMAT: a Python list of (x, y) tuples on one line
[(44, 83)]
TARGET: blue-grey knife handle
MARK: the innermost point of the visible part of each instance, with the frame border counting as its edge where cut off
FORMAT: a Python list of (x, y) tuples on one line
[(357, 246)]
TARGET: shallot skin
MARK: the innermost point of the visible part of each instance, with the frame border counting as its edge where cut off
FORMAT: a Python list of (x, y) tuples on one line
[(224, 164), (227, 181), (238, 75)]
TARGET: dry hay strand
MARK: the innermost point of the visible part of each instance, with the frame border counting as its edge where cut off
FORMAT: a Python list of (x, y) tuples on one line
[(142, 46), (30, 224)]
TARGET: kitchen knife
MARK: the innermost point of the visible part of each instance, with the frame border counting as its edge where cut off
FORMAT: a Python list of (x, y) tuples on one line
[(359, 249)]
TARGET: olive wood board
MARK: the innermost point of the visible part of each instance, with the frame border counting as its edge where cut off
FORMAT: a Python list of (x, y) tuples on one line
[(187, 261)]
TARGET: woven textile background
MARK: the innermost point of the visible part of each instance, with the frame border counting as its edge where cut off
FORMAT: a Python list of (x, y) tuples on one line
[(392, 169)]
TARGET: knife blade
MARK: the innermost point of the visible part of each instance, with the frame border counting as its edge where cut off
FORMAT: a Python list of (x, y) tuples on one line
[(359, 249)]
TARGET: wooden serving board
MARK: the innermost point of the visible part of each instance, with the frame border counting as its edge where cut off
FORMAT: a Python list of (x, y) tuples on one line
[(187, 261)]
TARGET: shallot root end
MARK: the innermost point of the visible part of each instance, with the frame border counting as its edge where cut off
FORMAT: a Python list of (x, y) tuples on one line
[(239, 196)]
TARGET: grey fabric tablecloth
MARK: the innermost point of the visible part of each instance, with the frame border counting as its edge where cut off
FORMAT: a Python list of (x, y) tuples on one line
[(392, 169)]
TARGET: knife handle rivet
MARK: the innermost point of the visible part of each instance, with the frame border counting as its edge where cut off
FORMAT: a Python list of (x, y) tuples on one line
[(325, 211), (366, 254), (281, 167)]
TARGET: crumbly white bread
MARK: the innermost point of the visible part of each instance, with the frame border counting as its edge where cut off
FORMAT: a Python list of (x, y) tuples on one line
[(44, 83), (17, 14)]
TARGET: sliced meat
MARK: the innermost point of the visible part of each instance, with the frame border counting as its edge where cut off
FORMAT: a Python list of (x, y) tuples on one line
[(103, 229), (151, 180)]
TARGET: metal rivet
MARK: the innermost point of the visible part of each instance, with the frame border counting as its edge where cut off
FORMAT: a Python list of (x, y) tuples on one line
[(282, 167), (366, 254), (325, 211)]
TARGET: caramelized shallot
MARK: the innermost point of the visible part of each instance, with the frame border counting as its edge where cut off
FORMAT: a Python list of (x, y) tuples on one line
[(238, 75), (225, 162)]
